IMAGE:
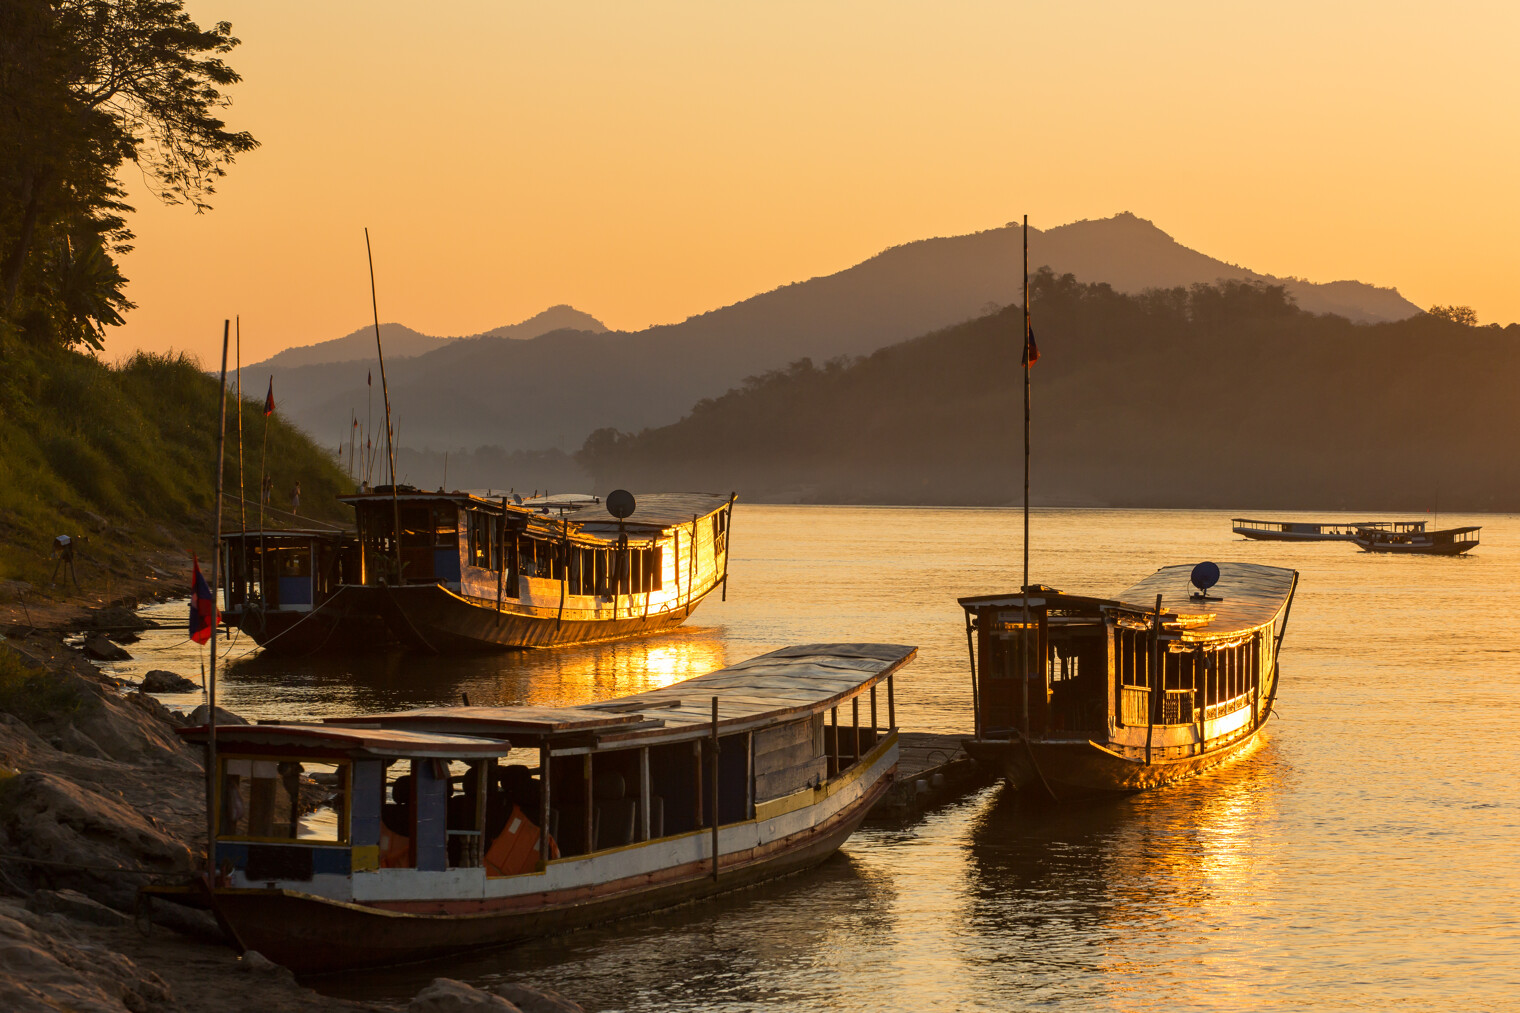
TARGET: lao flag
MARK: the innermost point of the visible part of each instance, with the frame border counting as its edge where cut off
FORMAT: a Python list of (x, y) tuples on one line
[(1031, 350), (269, 398), (202, 608)]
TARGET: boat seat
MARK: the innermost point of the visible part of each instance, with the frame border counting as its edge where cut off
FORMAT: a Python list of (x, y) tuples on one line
[(616, 822), (568, 825)]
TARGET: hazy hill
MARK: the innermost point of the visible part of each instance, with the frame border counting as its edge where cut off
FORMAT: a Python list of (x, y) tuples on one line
[(555, 389), (1223, 396), (402, 342)]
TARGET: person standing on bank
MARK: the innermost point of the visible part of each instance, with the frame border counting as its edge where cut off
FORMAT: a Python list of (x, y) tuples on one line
[(295, 498)]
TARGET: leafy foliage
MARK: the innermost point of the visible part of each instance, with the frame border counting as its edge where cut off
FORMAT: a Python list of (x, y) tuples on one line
[(125, 456), (85, 87), (1464, 315)]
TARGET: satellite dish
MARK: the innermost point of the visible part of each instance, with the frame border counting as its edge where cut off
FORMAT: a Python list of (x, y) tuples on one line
[(620, 504), (1205, 575)]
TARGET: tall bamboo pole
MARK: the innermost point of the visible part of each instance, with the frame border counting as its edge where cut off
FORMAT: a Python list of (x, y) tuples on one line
[(385, 392), (242, 484), (1025, 587), (216, 558)]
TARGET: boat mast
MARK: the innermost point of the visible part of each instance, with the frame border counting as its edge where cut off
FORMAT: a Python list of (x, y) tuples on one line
[(216, 558), (1024, 664), (385, 391)]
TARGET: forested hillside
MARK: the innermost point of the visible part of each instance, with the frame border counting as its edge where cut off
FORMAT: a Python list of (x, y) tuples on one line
[(1215, 395)]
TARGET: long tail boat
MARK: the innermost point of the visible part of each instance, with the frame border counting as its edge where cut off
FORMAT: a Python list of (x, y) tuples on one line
[(1316, 531), (1447, 542), (433, 842), (1164, 681), (479, 573)]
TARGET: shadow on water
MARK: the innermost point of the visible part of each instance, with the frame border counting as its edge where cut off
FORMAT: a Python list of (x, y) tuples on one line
[(752, 947)]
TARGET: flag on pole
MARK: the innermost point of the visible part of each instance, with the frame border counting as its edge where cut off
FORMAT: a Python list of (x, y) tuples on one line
[(1031, 350), (269, 398), (202, 607)]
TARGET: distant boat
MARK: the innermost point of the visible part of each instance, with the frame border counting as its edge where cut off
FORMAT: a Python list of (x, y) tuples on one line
[(1129, 692), (484, 573), (429, 841), (1447, 542), (1314, 531)]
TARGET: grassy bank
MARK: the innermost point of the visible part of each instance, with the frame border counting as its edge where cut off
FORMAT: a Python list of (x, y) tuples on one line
[(123, 459)]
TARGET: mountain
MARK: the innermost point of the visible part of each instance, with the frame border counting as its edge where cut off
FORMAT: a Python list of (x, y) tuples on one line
[(402, 342), (1219, 396), (555, 389)]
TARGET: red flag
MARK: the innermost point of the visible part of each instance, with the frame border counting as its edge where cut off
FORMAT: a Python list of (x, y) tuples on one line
[(269, 398), (1031, 350), (203, 615)]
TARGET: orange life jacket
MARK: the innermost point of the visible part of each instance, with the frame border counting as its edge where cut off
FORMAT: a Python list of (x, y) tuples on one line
[(515, 849), (395, 850)]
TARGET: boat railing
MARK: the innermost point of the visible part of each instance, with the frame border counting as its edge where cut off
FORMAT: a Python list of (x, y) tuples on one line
[(1223, 707), (1177, 707)]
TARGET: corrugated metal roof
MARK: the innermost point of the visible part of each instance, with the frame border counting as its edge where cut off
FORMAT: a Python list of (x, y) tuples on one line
[(354, 741)]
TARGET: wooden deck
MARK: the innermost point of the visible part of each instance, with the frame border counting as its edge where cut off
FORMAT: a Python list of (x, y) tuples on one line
[(940, 763)]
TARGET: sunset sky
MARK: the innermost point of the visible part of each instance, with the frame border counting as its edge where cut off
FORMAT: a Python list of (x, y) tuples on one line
[(648, 161)]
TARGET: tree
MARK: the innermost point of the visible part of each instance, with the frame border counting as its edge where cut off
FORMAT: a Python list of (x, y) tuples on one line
[(85, 87), (1456, 314)]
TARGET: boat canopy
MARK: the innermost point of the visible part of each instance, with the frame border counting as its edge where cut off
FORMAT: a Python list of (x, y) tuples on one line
[(1247, 597), (331, 741), (786, 684)]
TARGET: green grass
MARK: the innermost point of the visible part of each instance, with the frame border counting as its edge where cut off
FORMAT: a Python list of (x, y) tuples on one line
[(32, 693), (125, 456)]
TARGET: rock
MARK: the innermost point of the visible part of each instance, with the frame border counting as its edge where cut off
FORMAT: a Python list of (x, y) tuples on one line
[(117, 617), (50, 818), (198, 716), (101, 649), (122, 637), (44, 968), (445, 995), (161, 681), (537, 1000), (76, 905)]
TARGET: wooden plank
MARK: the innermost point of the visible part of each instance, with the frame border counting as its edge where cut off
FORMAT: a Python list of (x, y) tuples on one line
[(777, 783)]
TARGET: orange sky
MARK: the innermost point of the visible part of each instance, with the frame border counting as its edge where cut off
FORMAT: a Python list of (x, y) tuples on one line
[(648, 161)]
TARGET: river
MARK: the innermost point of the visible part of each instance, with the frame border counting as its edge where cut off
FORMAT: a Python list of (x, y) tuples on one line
[(1365, 856)]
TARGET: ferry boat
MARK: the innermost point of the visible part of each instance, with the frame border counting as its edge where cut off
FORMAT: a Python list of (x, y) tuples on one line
[(1447, 542), (480, 573), (1316, 531), (1166, 680), (433, 842)]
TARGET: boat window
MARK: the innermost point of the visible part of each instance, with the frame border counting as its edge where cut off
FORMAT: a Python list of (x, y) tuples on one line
[(283, 800), (483, 548)]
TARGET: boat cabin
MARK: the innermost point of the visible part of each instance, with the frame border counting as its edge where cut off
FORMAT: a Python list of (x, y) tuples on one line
[(291, 570), (312, 805), (1181, 670)]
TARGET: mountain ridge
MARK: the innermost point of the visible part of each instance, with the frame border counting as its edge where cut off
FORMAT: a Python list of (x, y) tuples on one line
[(402, 342), (555, 389)]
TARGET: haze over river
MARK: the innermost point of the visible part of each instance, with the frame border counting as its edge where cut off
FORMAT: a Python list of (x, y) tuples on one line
[(1366, 856)]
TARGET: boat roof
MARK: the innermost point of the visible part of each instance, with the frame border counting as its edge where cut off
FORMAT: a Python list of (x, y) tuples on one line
[(789, 683), (330, 534), (307, 740), (655, 511), (1247, 597)]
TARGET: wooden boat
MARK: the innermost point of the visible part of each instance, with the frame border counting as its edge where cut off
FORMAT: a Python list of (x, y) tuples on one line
[(1130, 692), (430, 846), (1315, 531), (481, 573), (306, 569), (1447, 542)]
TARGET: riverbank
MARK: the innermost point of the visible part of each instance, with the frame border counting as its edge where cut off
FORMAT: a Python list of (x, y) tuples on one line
[(98, 795)]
